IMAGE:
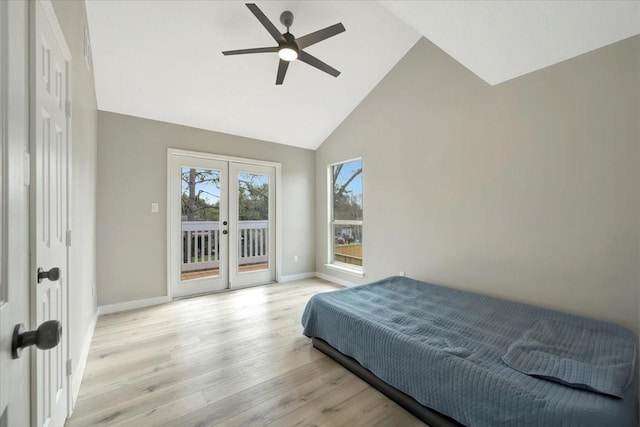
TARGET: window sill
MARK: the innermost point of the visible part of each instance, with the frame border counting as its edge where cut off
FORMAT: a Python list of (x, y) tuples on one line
[(344, 269)]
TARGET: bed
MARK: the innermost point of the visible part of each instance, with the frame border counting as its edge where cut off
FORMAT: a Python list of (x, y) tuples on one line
[(458, 358)]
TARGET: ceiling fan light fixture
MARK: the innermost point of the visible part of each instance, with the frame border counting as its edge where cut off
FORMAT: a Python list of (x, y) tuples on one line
[(287, 53)]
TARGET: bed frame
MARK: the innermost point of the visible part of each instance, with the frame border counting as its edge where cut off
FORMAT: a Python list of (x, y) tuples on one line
[(427, 415)]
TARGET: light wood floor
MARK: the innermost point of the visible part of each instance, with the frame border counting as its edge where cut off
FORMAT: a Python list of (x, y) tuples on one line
[(214, 271), (231, 359)]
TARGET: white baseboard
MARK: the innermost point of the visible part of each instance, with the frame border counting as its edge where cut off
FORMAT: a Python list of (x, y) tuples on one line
[(335, 280), (78, 369), (130, 305), (299, 276)]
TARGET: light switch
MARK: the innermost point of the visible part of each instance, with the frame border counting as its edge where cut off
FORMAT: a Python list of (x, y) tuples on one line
[(154, 207)]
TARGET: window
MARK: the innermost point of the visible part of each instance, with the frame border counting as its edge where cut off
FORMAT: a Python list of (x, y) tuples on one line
[(345, 215)]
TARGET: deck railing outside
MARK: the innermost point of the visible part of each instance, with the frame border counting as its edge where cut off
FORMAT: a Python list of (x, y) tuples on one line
[(201, 244)]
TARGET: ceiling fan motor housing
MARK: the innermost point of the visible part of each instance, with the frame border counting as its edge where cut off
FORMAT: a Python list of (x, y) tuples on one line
[(290, 42), (286, 19)]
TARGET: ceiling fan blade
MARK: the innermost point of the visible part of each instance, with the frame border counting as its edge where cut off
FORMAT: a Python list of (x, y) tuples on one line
[(315, 62), (265, 22), (282, 70), (254, 50), (318, 36)]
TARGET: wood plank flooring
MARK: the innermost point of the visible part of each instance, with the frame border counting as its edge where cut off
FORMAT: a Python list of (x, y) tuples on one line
[(214, 271), (230, 359)]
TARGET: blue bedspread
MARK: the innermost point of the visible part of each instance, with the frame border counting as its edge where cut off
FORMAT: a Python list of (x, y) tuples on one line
[(602, 362), (444, 347)]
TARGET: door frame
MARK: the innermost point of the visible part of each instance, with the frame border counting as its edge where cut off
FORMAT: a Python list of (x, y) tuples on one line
[(15, 303), (52, 18), (210, 156)]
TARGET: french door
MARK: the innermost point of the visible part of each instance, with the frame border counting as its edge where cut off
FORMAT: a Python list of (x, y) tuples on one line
[(251, 236), (221, 223)]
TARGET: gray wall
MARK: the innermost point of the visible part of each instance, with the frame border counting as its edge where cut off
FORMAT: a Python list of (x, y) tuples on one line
[(132, 173), (82, 305), (528, 190)]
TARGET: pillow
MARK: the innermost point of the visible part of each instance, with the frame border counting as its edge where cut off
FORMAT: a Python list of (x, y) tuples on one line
[(586, 359)]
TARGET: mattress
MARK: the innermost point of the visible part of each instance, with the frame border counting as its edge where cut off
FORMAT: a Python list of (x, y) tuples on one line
[(445, 348)]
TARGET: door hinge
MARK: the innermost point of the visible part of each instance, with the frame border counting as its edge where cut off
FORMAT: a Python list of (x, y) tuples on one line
[(69, 365), (26, 161), (68, 238), (68, 108)]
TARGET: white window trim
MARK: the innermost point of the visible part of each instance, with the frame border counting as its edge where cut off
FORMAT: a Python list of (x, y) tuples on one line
[(331, 263), (345, 268)]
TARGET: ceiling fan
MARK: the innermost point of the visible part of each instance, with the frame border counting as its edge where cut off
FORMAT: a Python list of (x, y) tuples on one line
[(289, 47)]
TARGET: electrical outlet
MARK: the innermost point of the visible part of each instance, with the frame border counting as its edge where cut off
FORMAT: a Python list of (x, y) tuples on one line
[(295, 258), (154, 207), (402, 274)]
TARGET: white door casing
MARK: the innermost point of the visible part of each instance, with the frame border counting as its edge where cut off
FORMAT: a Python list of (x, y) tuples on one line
[(50, 124), (5, 320), (14, 211)]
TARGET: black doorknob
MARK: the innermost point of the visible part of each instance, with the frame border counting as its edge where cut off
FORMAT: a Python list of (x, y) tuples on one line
[(53, 274), (45, 337), (224, 222), (224, 231)]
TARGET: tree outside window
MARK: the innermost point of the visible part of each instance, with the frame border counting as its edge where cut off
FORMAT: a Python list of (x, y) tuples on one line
[(346, 214)]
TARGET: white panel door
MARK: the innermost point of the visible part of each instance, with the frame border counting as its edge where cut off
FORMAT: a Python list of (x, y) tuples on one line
[(50, 139)]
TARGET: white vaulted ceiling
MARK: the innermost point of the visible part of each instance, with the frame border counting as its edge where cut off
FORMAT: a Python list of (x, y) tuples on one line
[(162, 60), (501, 40)]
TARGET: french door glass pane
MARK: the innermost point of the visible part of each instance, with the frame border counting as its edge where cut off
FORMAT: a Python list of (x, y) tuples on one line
[(200, 211), (347, 243), (253, 222)]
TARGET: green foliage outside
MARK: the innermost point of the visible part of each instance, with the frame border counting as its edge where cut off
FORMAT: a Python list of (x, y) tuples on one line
[(253, 197), (346, 204), (201, 196)]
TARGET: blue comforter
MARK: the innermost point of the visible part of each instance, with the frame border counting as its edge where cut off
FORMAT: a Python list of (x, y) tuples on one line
[(444, 347)]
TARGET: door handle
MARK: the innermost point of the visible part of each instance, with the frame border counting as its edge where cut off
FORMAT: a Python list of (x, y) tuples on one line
[(53, 274), (45, 337)]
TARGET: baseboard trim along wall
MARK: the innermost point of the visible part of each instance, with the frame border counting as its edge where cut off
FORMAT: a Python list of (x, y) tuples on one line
[(130, 305), (335, 280), (299, 276), (78, 370)]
